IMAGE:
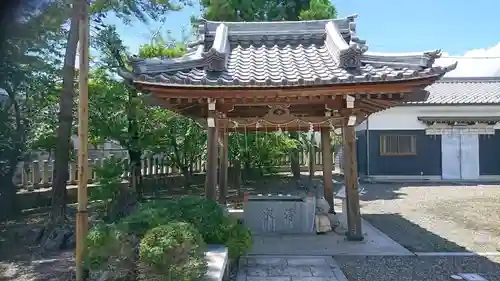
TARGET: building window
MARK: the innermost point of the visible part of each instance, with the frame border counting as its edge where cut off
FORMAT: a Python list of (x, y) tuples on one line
[(398, 145)]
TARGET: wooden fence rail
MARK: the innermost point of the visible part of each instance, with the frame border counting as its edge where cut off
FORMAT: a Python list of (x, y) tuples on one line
[(39, 174)]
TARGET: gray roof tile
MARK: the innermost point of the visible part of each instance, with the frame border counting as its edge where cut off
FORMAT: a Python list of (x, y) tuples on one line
[(476, 90), (283, 54)]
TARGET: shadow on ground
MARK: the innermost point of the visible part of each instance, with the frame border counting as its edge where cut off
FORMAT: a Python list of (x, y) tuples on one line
[(416, 268), (413, 268), (391, 191), (410, 235)]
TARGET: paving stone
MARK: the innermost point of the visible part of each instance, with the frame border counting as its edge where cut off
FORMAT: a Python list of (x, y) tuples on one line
[(297, 268), (297, 271), (322, 271), (256, 271), (331, 262), (270, 279), (276, 270), (265, 261), (306, 261), (314, 279)]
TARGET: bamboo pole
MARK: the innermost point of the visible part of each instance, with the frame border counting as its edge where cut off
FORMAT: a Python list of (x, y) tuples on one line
[(82, 216)]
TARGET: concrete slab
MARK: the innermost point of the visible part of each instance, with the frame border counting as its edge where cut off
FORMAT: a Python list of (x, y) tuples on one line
[(375, 243), (289, 268), (217, 258)]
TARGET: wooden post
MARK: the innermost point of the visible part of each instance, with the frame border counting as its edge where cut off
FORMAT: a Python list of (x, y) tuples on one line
[(326, 153), (212, 152), (312, 153), (82, 216), (223, 166), (354, 232)]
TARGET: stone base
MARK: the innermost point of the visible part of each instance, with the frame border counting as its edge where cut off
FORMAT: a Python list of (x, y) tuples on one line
[(322, 223), (217, 258)]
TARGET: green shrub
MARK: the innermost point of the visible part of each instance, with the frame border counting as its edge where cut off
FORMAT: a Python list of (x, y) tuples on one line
[(175, 250), (106, 247), (235, 236), (206, 215), (150, 215), (109, 185)]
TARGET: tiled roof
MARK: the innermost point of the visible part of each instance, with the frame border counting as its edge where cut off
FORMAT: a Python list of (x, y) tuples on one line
[(283, 54), (476, 90)]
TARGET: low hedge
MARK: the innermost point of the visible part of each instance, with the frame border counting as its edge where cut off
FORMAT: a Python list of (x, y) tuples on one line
[(170, 236)]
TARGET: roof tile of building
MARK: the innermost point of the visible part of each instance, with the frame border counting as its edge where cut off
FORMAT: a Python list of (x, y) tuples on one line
[(467, 90), (283, 54)]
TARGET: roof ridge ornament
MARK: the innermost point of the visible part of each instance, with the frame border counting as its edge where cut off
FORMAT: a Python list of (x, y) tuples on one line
[(216, 58), (346, 55)]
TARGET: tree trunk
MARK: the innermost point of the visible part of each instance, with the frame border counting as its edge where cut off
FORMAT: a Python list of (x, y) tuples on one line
[(65, 119), (8, 198), (134, 152), (135, 173), (187, 176), (237, 175), (59, 233), (294, 157)]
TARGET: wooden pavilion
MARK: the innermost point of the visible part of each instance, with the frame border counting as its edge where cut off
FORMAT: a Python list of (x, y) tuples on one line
[(303, 75)]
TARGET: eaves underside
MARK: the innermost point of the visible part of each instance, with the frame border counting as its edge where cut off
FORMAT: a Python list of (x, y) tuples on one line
[(417, 81)]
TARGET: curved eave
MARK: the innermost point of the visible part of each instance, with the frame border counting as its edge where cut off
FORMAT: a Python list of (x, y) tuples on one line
[(387, 86)]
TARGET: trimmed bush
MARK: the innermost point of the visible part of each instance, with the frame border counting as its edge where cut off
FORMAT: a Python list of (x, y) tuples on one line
[(175, 250), (107, 248), (235, 236), (150, 215), (166, 239), (206, 215)]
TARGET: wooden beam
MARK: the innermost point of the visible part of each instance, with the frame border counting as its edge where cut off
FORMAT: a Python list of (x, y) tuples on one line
[(354, 232), (224, 161), (326, 153)]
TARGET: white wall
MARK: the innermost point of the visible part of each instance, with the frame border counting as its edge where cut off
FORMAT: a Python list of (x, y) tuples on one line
[(405, 117)]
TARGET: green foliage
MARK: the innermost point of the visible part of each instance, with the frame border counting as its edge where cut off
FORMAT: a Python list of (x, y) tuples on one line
[(175, 250), (206, 215), (235, 236), (319, 10), (150, 215), (102, 246), (110, 182), (172, 235), (260, 150), (265, 10), (143, 10), (159, 49)]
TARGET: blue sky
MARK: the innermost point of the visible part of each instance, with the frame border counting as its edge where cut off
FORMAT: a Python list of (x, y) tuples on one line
[(454, 26)]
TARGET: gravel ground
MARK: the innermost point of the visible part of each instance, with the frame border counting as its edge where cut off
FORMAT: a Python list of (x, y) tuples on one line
[(412, 268), (436, 218)]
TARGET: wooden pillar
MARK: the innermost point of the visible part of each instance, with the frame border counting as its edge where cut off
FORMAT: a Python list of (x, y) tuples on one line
[(212, 153), (224, 151), (326, 153), (354, 232), (312, 153), (83, 119)]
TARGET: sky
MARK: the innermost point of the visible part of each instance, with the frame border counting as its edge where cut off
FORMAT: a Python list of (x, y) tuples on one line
[(458, 27)]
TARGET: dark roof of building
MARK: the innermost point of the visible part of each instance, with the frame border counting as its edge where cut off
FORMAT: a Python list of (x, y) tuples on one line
[(466, 90), (280, 54)]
